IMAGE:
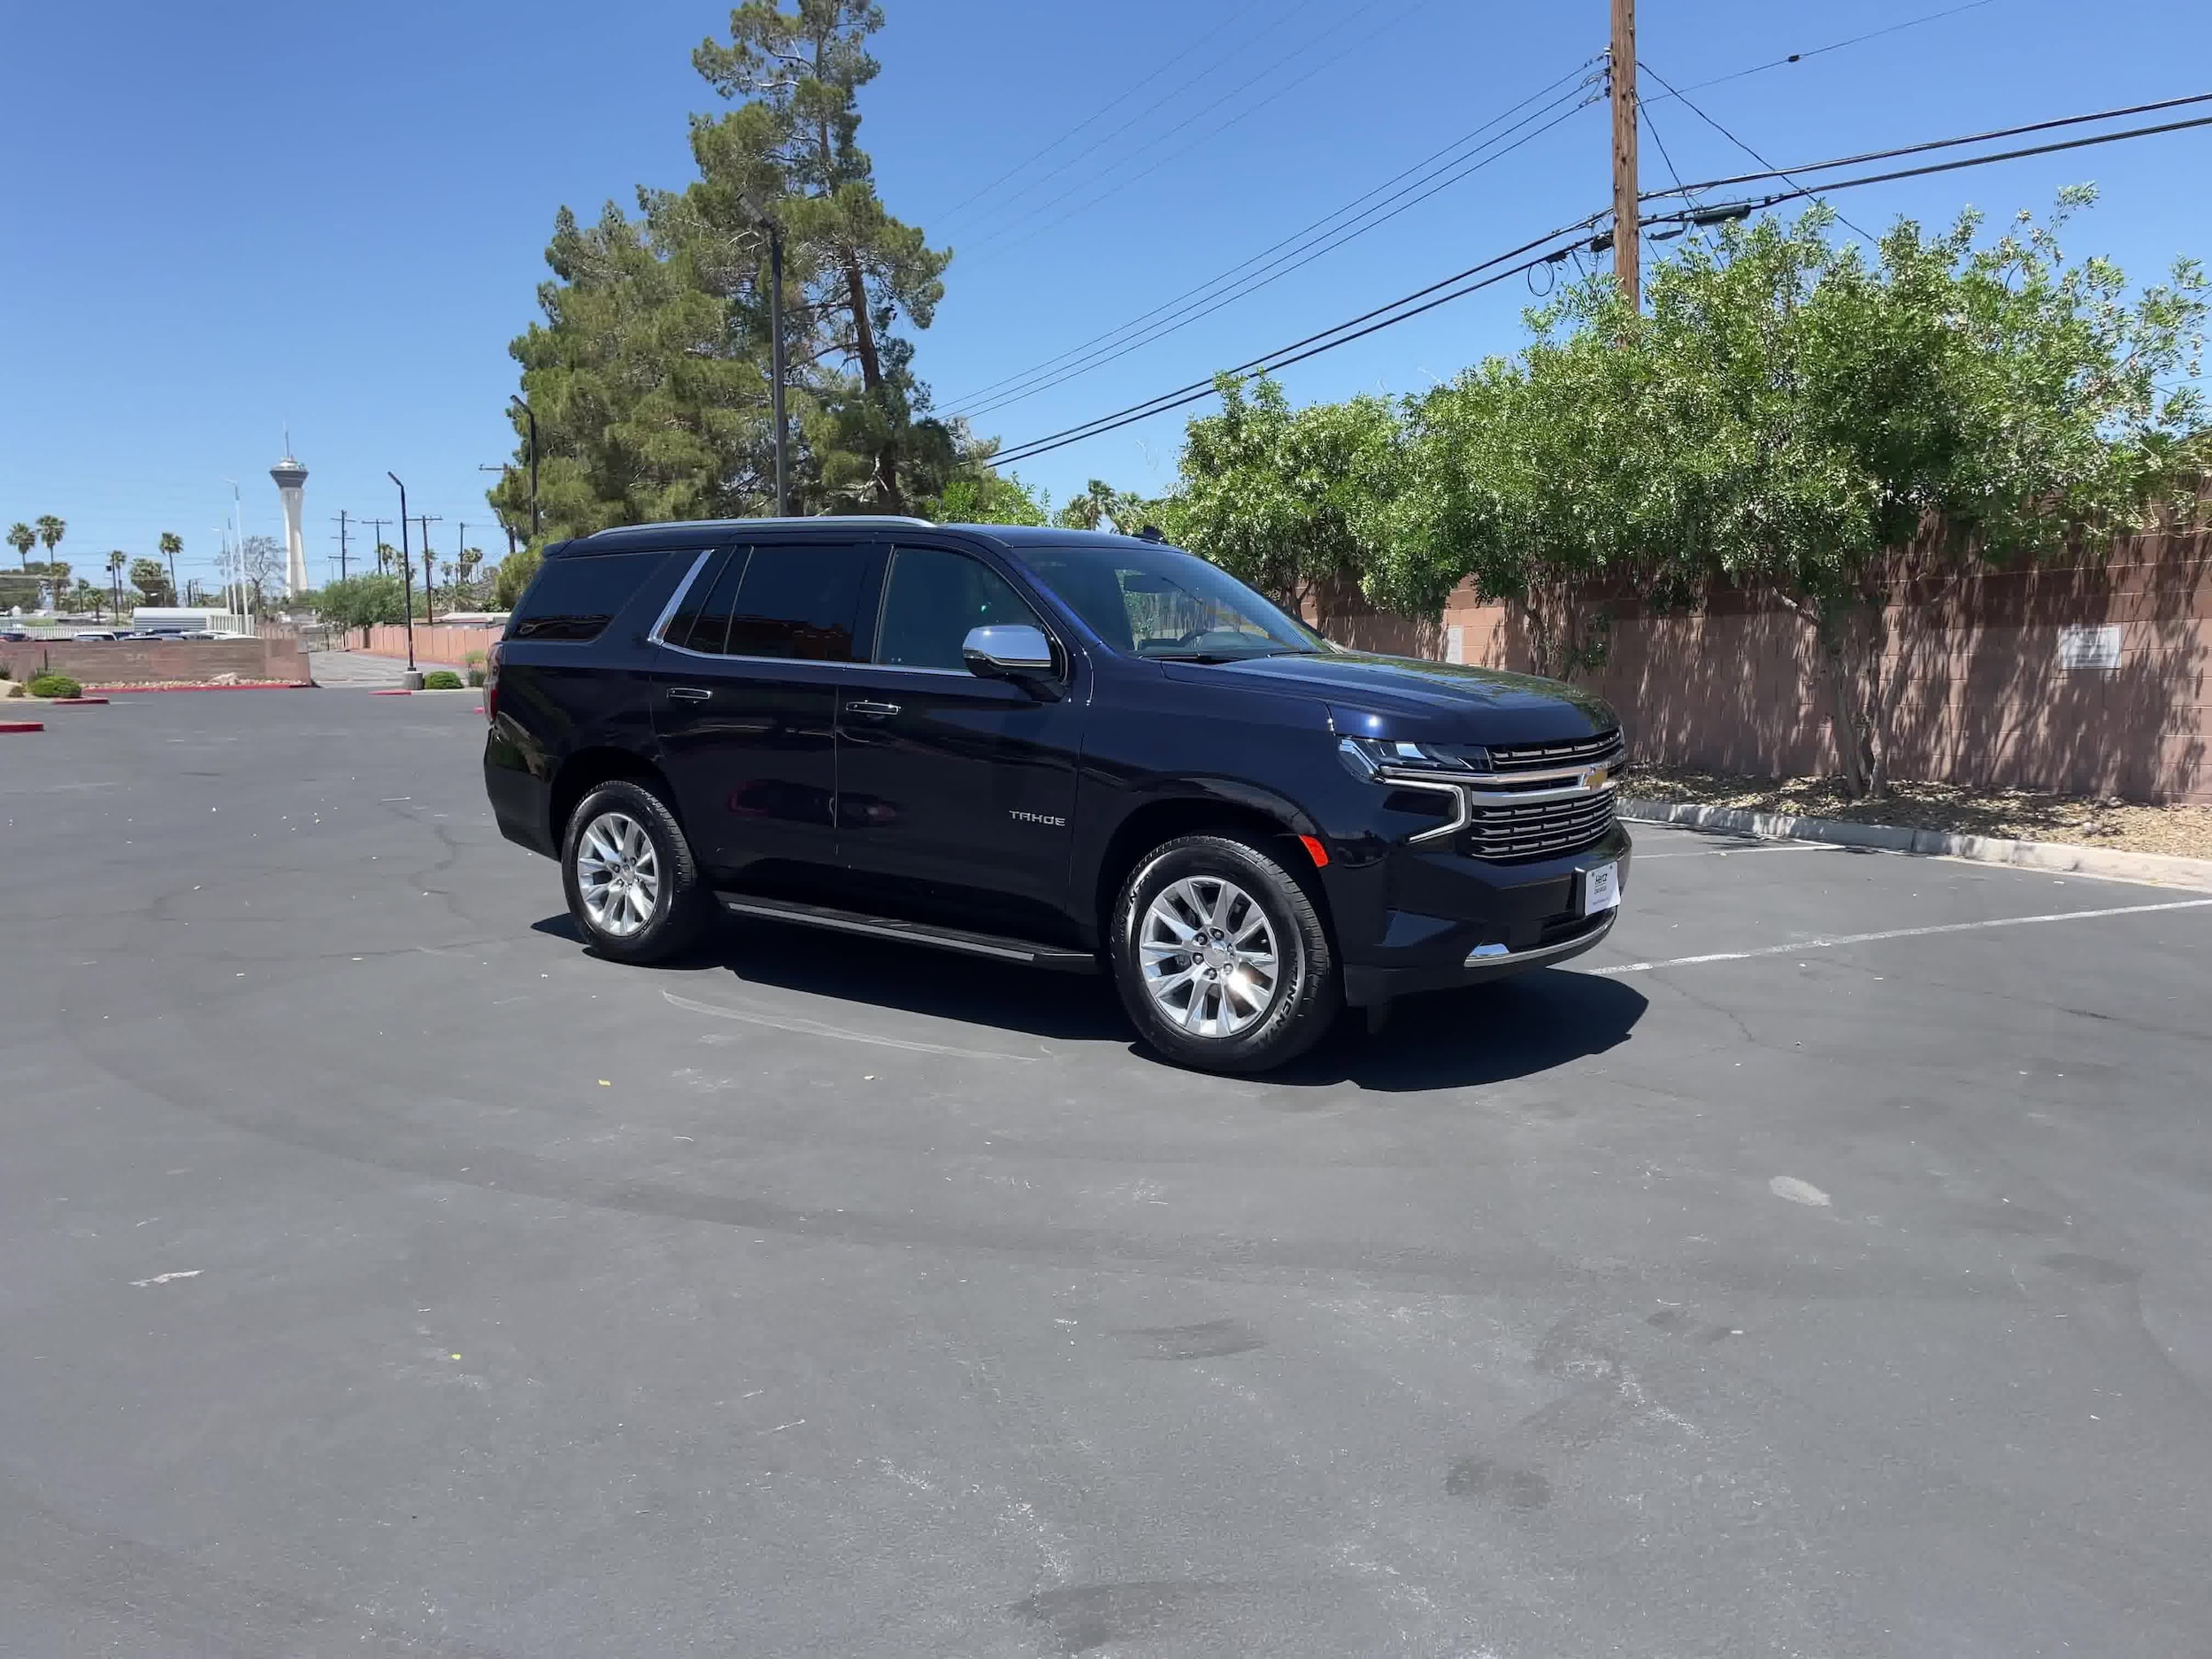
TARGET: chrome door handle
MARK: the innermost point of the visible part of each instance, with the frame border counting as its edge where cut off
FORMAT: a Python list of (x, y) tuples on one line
[(872, 710), (688, 694)]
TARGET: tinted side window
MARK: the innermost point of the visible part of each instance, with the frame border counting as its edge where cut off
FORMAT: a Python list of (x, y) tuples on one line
[(799, 600), (933, 599), (710, 602), (574, 598), (686, 617)]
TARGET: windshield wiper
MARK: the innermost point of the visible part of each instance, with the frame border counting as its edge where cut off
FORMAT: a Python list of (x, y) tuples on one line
[(1226, 657)]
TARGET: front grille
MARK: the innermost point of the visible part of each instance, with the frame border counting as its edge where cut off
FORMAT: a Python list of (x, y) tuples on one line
[(1582, 751), (1540, 829)]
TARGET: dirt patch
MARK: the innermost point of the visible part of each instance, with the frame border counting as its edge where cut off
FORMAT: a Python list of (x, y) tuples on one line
[(2011, 814)]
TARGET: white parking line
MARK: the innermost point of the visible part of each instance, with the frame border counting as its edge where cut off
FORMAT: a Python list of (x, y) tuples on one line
[(1901, 933), (1755, 847), (816, 1028)]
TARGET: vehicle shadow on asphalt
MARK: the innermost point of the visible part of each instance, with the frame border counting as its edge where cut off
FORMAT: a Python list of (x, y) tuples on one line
[(1443, 1039)]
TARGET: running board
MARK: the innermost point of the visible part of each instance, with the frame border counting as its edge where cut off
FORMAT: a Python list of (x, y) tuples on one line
[(1022, 951)]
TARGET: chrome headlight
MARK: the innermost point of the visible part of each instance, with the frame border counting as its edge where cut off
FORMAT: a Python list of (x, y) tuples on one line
[(1376, 758)]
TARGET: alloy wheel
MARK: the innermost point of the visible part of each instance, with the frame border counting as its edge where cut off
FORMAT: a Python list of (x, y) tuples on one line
[(1207, 955), (618, 874)]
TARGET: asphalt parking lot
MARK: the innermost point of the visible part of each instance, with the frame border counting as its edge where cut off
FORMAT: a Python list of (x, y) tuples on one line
[(381, 1274)]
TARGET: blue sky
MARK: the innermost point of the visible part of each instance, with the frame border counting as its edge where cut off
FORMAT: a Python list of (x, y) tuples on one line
[(229, 215)]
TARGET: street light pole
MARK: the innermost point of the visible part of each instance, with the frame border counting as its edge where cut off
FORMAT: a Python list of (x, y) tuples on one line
[(530, 415), (406, 573), (775, 352)]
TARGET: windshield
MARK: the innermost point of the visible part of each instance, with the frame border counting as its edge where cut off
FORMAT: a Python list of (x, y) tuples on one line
[(1162, 602)]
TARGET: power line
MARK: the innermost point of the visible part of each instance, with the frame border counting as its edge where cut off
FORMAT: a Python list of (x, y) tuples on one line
[(1131, 337), (1312, 345), (1112, 103), (1738, 210), (1834, 46), (1952, 143), (1296, 237), (1402, 310), (1732, 138), (1031, 232), (1169, 97)]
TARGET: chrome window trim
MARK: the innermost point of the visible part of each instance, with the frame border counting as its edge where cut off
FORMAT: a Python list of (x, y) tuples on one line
[(668, 611)]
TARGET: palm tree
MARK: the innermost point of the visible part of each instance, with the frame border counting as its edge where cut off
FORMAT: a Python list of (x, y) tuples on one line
[(51, 531), (22, 538), (117, 561), (172, 544)]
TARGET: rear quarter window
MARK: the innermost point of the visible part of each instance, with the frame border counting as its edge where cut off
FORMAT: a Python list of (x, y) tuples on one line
[(574, 598)]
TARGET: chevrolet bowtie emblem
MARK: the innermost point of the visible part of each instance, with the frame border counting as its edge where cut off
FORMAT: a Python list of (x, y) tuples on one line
[(1594, 778)]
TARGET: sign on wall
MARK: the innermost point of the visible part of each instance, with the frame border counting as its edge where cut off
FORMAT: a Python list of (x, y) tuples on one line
[(2089, 645)]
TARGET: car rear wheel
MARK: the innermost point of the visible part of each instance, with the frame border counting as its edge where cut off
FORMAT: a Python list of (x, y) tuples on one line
[(1221, 958), (633, 885)]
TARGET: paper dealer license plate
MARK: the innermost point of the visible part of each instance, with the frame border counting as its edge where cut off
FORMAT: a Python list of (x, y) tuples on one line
[(1601, 888)]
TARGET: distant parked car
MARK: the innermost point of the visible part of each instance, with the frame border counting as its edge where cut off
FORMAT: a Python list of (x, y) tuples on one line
[(13, 637), (199, 633), (89, 634)]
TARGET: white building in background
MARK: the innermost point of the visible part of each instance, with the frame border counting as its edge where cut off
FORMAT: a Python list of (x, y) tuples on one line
[(291, 481)]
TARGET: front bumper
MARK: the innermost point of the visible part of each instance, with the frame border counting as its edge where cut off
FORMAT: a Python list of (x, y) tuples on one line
[(1424, 920)]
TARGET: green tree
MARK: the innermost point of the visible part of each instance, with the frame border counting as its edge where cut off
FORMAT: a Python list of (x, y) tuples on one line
[(150, 577), (1791, 415), (86, 597), (51, 531), (117, 561), (170, 544), (981, 496), (790, 152), (22, 538), (512, 576), (650, 373), (361, 602), (1288, 499)]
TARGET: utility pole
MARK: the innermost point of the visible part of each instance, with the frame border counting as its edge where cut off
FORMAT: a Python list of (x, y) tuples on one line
[(406, 577), (1627, 239), (530, 415), (775, 352), (429, 566), (341, 544), (377, 527)]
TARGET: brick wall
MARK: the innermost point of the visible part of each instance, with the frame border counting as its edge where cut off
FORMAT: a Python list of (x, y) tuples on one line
[(1976, 693), (437, 644), (146, 662)]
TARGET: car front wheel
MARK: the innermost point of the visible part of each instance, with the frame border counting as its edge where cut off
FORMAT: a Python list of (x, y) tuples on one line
[(1221, 958), (633, 885)]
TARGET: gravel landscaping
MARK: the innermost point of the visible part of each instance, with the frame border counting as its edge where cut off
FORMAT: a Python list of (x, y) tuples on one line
[(2183, 831)]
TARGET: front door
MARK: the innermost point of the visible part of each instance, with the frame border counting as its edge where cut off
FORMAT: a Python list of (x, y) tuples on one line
[(944, 778), (744, 700)]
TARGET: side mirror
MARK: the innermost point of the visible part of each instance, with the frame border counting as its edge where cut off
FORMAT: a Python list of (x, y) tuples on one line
[(1008, 650)]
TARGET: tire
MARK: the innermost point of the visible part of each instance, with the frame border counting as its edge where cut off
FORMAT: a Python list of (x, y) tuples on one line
[(1241, 1024), (661, 908)]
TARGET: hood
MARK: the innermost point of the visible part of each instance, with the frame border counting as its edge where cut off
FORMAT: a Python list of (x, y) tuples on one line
[(1403, 696)]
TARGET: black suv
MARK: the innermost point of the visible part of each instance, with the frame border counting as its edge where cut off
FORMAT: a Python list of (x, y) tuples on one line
[(1047, 746)]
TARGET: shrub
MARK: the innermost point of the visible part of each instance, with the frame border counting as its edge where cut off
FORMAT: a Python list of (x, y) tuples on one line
[(55, 686), (471, 659), (442, 680), (475, 677)]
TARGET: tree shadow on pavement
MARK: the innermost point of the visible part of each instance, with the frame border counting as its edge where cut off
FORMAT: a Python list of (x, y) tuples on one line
[(1444, 1039)]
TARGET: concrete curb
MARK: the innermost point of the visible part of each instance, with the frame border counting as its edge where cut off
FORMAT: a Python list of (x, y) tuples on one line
[(2058, 857), (22, 725)]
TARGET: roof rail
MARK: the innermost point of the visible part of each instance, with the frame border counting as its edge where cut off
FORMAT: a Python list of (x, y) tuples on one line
[(826, 518)]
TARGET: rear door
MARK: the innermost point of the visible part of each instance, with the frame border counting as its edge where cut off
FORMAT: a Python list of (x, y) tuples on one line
[(944, 777), (751, 663)]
